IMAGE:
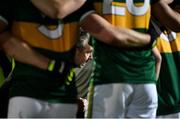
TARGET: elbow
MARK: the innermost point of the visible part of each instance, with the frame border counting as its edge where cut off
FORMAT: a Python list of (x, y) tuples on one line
[(159, 59)]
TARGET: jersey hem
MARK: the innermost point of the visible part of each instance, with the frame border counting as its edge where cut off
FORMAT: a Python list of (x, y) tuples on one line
[(65, 100)]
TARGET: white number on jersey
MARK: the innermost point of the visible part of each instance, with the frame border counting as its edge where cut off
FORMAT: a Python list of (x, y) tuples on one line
[(108, 8), (52, 33)]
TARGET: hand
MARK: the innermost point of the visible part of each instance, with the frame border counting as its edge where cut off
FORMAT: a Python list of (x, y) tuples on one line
[(59, 68)]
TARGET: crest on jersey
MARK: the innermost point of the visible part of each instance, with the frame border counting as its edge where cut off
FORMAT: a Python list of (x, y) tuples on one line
[(53, 31)]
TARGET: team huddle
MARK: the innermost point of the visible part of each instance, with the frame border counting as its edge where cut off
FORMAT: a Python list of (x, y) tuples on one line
[(134, 47)]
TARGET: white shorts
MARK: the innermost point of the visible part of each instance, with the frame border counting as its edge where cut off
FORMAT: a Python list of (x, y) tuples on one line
[(25, 107), (124, 100)]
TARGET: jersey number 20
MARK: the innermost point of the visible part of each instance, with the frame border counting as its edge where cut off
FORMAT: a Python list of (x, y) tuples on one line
[(108, 8)]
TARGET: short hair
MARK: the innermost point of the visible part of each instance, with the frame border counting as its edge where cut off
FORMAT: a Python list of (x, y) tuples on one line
[(83, 38)]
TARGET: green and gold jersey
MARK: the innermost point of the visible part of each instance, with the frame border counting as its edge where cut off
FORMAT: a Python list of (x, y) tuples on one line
[(168, 85), (115, 65), (51, 37)]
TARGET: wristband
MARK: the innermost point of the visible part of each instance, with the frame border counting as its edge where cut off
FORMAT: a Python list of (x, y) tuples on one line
[(51, 65), (59, 70), (55, 66)]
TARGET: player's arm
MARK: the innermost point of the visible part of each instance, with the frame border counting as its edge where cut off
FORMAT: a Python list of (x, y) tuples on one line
[(22, 52), (158, 60), (58, 8), (14, 46), (166, 15), (19, 49), (99, 27), (118, 36)]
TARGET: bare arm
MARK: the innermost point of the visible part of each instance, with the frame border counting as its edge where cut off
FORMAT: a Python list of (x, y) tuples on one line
[(118, 36), (166, 15), (96, 25), (22, 52), (158, 59), (58, 8)]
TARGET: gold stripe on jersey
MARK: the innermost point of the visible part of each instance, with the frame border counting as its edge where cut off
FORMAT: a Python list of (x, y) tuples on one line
[(169, 46), (129, 20), (30, 33)]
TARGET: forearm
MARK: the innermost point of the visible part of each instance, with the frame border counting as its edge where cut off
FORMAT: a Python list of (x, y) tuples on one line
[(131, 38), (58, 8), (21, 52), (109, 34), (166, 15), (158, 60)]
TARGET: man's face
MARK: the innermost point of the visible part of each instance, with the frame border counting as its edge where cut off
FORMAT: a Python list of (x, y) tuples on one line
[(83, 55)]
